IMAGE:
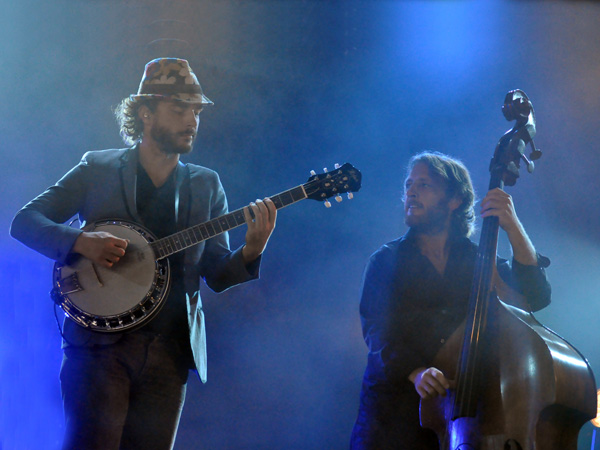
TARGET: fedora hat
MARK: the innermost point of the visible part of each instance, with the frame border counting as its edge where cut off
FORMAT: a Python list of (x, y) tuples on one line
[(171, 79)]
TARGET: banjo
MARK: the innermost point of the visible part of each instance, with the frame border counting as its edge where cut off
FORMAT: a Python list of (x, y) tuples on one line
[(133, 291)]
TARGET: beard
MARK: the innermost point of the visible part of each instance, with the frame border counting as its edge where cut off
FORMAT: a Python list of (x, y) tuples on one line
[(169, 141), (435, 219)]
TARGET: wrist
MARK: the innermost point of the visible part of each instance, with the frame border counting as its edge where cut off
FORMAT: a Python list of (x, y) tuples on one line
[(79, 244), (248, 255), (416, 374)]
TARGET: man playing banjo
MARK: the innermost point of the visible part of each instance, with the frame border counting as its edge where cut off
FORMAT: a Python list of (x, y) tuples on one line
[(127, 389)]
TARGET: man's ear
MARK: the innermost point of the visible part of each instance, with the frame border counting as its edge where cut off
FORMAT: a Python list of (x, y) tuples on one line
[(454, 203), (144, 113)]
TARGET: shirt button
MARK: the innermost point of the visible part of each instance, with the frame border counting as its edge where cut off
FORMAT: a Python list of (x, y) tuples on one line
[(442, 340)]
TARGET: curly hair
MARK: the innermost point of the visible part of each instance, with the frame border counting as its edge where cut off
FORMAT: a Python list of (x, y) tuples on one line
[(126, 113), (458, 184)]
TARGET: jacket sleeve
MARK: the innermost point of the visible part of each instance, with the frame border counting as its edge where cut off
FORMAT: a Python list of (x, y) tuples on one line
[(40, 224), (219, 266), (529, 280), (381, 285)]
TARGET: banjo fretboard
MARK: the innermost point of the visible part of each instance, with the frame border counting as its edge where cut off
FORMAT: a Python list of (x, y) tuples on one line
[(194, 235)]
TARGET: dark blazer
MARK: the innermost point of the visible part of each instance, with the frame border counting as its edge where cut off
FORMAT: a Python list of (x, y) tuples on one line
[(102, 186)]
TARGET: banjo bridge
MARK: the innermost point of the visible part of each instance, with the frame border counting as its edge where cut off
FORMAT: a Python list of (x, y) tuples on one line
[(69, 285)]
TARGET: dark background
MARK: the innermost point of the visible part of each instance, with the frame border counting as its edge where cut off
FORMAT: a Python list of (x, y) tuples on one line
[(298, 85)]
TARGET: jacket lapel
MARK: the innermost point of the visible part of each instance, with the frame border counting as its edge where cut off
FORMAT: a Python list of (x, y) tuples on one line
[(182, 196), (128, 172)]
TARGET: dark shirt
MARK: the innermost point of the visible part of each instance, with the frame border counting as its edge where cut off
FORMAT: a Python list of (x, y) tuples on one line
[(156, 207), (408, 311)]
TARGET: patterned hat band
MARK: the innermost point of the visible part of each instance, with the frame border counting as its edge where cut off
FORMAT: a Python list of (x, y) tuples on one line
[(171, 79), (170, 89)]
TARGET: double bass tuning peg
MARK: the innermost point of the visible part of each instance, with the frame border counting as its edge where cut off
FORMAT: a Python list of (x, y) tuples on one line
[(535, 154)]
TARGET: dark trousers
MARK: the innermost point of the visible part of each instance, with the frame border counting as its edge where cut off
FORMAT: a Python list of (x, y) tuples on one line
[(389, 420), (127, 395)]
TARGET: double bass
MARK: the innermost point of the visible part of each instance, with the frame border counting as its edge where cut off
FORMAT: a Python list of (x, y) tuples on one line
[(519, 385)]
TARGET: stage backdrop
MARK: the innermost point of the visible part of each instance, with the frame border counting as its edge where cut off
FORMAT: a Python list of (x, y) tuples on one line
[(298, 85)]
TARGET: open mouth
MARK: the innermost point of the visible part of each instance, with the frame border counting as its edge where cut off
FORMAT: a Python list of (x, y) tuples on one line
[(186, 135)]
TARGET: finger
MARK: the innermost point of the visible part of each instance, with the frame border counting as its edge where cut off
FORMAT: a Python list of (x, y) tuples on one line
[(248, 215), (499, 211), (497, 192), (489, 213), (114, 240), (491, 202), (272, 209), (262, 211), (497, 201), (116, 251), (441, 379), (494, 209), (435, 382), (111, 257), (121, 243), (260, 204), (423, 391), (431, 383), (500, 205), (104, 263), (439, 389), (433, 390)]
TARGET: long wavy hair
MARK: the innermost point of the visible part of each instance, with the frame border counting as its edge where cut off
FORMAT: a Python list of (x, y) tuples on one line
[(458, 184), (130, 125)]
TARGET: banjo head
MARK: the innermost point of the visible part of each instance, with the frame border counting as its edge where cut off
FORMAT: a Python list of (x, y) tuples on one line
[(119, 298)]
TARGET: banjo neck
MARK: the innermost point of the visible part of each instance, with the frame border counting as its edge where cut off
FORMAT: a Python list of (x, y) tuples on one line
[(189, 237), (344, 179)]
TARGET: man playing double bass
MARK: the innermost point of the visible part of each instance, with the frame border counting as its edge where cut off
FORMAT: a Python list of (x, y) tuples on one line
[(415, 295)]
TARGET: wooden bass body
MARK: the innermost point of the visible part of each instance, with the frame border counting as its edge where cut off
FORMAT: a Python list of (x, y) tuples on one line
[(537, 390)]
